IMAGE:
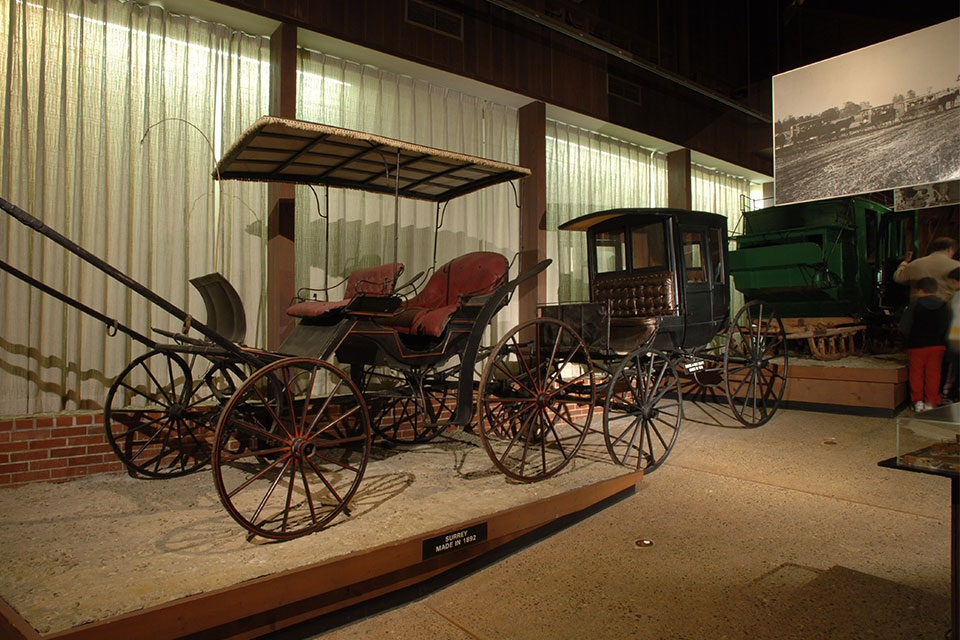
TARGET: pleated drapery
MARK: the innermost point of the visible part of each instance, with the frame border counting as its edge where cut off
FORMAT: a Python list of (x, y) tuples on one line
[(587, 172), (110, 110)]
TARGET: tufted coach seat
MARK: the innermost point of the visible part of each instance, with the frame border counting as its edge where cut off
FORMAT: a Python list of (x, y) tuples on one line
[(474, 274), (636, 303), (637, 296), (371, 281)]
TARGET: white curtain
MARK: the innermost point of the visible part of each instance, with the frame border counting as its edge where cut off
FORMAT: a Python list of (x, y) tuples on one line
[(718, 192), (341, 93), (109, 111), (588, 172)]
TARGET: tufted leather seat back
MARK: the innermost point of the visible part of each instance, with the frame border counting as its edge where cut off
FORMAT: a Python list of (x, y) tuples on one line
[(637, 295)]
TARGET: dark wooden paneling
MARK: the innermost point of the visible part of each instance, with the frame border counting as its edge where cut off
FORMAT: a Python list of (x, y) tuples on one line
[(509, 51)]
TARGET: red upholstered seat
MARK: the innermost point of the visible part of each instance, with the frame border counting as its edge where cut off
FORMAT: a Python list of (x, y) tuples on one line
[(473, 274), (371, 281)]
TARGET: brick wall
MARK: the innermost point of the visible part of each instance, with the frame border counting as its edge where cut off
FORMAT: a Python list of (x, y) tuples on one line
[(51, 448)]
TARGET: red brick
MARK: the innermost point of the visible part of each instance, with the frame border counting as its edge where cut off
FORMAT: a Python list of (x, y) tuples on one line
[(84, 440), (84, 461), (84, 418), (6, 447), (57, 463), (29, 476), (105, 467), (72, 430), (6, 425), (64, 420), (14, 467), (27, 456), (66, 452), (4, 479), (36, 434), (44, 422), (67, 472), (4, 458), (4, 437), (100, 448), (95, 429), (50, 443), (24, 423)]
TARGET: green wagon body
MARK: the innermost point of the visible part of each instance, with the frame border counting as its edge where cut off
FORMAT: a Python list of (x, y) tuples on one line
[(828, 259)]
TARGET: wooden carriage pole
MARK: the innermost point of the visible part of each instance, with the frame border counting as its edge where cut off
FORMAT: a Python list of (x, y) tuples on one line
[(533, 205), (281, 248)]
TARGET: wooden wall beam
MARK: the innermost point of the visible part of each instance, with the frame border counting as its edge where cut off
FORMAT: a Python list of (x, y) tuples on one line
[(679, 193), (533, 205), (281, 248)]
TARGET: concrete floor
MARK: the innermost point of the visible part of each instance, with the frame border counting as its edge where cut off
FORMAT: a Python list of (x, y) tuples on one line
[(787, 531)]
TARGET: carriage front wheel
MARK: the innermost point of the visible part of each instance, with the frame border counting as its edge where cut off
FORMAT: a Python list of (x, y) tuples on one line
[(291, 447), (755, 363), (536, 396), (642, 410), (159, 417)]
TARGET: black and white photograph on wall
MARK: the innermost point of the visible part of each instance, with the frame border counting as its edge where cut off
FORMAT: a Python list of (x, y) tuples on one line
[(883, 117), (924, 196)]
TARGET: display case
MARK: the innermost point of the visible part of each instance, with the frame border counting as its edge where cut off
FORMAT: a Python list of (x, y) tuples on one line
[(930, 440)]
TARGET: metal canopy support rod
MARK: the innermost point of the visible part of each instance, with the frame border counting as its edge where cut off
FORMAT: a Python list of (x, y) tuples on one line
[(37, 225)]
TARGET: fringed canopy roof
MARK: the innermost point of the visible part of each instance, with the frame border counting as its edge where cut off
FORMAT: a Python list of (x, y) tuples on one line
[(283, 150)]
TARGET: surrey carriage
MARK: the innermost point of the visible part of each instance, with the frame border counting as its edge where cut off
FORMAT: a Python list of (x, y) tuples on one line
[(288, 432)]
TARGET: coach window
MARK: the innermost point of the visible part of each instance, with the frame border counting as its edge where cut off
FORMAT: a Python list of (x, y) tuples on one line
[(693, 255), (610, 251), (648, 246), (716, 254)]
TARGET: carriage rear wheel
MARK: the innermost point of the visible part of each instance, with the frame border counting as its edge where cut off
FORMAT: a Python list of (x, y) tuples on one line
[(291, 447), (410, 407), (642, 410), (755, 363), (537, 394), (159, 419)]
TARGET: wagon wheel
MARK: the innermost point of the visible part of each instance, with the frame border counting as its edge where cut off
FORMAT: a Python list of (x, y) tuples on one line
[(290, 448), (158, 419), (642, 410), (410, 407), (537, 395), (755, 363)]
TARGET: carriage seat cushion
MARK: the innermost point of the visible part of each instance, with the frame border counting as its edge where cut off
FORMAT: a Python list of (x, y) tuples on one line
[(474, 274), (371, 281), (637, 295)]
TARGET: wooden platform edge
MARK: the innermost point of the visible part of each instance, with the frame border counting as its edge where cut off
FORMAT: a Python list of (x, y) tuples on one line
[(273, 602), (13, 626)]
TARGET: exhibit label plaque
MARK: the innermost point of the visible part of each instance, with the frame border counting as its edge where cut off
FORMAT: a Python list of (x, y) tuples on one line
[(454, 540)]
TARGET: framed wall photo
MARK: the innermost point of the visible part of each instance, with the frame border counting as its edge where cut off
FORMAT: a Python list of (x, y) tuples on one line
[(879, 118), (925, 196)]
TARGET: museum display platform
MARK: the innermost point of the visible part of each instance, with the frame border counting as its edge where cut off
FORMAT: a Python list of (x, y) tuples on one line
[(111, 556), (860, 385)]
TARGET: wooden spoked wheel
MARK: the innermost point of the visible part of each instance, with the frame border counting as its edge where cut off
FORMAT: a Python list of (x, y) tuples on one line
[(410, 407), (642, 410), (755, 363), (159, 418), (537, 394), (291, 447)]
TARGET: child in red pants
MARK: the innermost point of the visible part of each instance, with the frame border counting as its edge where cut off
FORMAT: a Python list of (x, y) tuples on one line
[(924, 324)]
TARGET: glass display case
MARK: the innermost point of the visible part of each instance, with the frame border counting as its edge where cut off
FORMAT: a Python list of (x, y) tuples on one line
[(930, 440)]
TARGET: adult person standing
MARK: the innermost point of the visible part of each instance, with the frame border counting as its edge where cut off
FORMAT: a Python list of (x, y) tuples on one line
[(937, 264), (924, 325)]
